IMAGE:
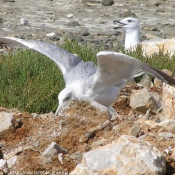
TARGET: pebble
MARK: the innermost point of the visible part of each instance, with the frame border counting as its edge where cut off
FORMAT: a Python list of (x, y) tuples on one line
[(70, 15), (107, 2), (135, 130), (24, 22), (166, 135)]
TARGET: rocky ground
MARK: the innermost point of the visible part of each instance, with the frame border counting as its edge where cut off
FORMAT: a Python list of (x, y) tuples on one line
[(25, 138)]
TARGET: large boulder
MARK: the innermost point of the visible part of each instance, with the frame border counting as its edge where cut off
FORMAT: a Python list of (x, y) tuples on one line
[(127, 156)]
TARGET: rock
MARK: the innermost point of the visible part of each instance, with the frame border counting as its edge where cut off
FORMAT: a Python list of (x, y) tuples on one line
[(53, 149), (66, 110), (173, 153), (53, 36), (6, 121), (127, 156), (165, 123), (107, 2), (153, 46), (135, 130), (3, 164), (126, 13), (168, 101), (84, 32), (166, 135), (11, 161), (158, 82), (70, 15), (146, 81), (23, 21), (90, 1), (73, 23), (141, 100), (8, 0)]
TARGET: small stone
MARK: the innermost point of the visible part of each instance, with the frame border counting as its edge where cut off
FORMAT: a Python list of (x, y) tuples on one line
[(135, 130), (53, 149), (50, 34), (166, 135), (23, 21), (73, 23), (11, 161), (84, 32), (107, 2), (146, 81), (3, 164), (70, 15), (36, 144)]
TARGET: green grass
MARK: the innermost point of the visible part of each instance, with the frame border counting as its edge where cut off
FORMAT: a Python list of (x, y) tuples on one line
[(31, 82)]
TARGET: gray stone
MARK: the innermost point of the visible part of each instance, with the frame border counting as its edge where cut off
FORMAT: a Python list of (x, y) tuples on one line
[(146, 81), (135, 130), (73, 23), (53, 149), (84, 32), (141, 100), (107, 2)]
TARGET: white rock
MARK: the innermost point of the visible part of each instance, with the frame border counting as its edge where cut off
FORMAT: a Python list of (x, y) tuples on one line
[(165, 135), (168, 101), (127, 156), (3, 164), (51, 34), (6, 121), (23, 21), (70, 15), (153, 46), (11, 161), (81, 169)]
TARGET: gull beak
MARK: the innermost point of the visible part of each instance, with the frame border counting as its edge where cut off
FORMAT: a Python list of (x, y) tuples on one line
[(120, 24), (56, 113)]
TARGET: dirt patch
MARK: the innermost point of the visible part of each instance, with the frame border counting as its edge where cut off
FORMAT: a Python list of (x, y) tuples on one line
[(31, 136)]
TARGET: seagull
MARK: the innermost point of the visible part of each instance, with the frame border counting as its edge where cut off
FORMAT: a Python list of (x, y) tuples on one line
[(132, 29), (84, 80), (132, 39)]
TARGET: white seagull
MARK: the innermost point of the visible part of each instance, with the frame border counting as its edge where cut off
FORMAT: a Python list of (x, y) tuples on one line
[(83, 79), (132, 29)]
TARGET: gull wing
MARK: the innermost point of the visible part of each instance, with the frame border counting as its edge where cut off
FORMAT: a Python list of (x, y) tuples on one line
[(114, 68), (64, 60)]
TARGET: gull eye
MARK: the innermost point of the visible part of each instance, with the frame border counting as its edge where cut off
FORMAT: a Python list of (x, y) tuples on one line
[(67, 98), (129, 20)]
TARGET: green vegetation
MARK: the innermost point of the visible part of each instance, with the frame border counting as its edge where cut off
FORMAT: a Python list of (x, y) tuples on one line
[(31, 82)]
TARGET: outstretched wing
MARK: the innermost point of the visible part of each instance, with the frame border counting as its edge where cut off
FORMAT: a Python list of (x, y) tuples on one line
[(64, 60), (113, 68)]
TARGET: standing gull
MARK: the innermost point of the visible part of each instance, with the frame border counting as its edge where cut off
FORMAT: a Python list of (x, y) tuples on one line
[(132, 29), (83, 79)]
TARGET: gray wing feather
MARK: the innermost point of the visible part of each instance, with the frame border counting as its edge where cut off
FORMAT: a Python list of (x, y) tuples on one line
[(113, 68), (64, 60)]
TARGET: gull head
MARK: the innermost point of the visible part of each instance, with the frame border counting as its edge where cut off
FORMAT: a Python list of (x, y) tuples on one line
[(127, 24), (64, 96)]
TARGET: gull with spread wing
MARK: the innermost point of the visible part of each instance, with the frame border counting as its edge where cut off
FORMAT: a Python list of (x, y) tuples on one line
[(83, 79)]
